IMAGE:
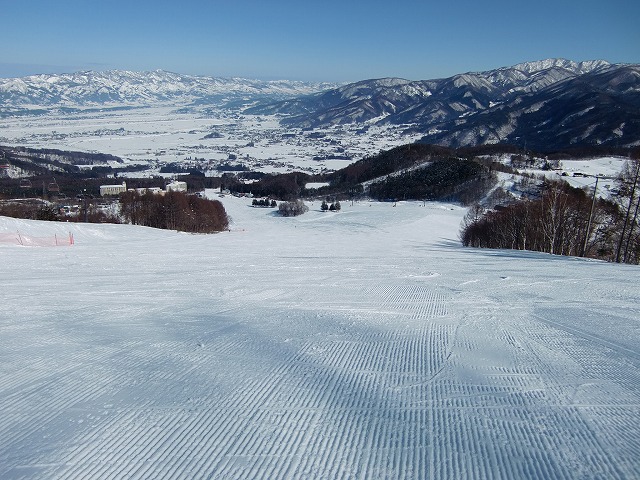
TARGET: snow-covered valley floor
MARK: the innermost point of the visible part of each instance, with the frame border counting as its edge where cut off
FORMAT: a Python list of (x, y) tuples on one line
[(363, 344)]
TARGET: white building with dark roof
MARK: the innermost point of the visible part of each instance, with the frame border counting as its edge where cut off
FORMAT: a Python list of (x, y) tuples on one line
[(176, 187), (106, 190)]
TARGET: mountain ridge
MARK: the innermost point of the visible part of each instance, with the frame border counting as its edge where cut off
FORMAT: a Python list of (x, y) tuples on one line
[(91, 88), (545, 104), (592, 102)]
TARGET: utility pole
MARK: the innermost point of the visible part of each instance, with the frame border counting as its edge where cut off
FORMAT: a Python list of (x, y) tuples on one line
[(593, 202), (633, 224), (86, 207)]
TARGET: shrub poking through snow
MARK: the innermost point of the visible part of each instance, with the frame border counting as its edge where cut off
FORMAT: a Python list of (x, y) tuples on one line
[(292, 209)]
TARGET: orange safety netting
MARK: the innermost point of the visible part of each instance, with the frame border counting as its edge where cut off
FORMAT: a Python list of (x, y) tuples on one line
[(18, 238)]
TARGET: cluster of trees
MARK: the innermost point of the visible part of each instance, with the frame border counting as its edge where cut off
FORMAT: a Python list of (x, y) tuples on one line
[(68, 157), (265, 202), (228, 167), (628, 194), (388, 162), (174, 211), (565, 221), (443, 179), (333, 207), (287, 186), (556, 223), (292, 209), (36, 209), (419, 171), (178, 168), (527, 161), (30, 209)]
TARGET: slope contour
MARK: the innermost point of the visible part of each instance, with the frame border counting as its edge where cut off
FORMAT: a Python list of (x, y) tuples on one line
[(362, 344)]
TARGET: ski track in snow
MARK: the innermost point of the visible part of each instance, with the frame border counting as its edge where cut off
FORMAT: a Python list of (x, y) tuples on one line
[(364, 344)]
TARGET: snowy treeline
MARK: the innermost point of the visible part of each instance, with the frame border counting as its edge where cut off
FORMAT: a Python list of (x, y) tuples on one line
[(174, 211), (565, 221)]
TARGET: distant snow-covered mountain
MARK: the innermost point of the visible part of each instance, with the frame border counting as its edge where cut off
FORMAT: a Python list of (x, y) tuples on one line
[(553, 103), (116, 87), (547, 104)]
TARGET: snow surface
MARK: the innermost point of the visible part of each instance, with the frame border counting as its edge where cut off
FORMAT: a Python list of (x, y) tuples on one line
[(361, 344)]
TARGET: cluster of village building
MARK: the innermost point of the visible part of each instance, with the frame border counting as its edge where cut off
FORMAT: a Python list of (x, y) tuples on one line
[(110, 190)]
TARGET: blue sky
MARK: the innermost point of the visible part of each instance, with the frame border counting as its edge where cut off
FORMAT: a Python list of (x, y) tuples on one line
[(310, 40)]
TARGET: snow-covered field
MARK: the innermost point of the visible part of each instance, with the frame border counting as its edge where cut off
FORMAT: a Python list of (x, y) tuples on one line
[(361, 344), (155, 136), (582, 173)]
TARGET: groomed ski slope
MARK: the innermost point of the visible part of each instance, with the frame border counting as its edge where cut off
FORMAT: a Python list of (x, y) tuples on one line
[(362, 344)]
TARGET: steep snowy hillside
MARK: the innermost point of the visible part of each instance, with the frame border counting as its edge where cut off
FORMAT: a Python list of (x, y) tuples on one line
[(547, 104), (360, 344), (597, 108)]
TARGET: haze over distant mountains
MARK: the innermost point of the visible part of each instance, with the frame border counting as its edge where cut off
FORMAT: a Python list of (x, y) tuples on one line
[(548, 104)]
